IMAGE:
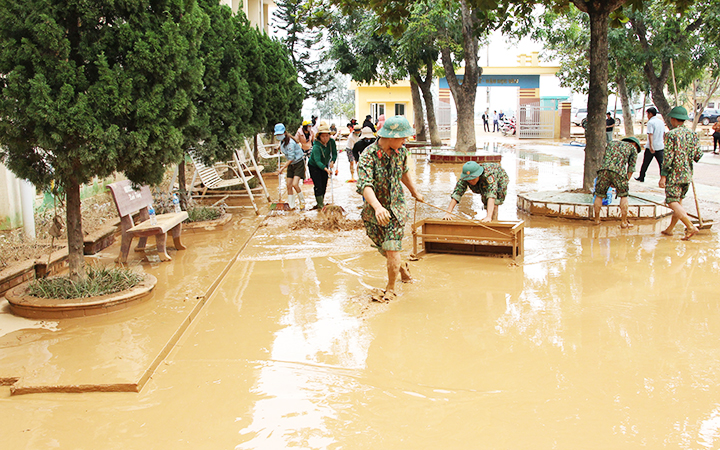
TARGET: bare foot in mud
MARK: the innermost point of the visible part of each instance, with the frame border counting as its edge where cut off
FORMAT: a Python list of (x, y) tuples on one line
[(383, 296), (626, 225), (405, 276), (689, 234), (667, 232), (596, 222)]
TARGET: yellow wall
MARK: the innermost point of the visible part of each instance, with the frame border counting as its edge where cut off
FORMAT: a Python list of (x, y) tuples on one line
[(398, 93), (257, 11)]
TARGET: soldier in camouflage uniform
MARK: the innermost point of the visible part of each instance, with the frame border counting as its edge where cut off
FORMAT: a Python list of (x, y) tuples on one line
[(616, 170), (489, 180), (682, 147), (381, 169)]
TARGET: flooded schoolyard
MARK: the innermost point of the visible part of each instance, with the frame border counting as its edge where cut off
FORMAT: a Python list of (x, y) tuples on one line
[(597, 338)]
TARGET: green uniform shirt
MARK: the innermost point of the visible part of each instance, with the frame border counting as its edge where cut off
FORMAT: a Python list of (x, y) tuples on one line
[(682, 147), (321, 155), (383, 173), (492, 184), (620, 157)]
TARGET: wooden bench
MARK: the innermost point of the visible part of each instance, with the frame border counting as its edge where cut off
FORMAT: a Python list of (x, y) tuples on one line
[(468, 238), (130, 201)]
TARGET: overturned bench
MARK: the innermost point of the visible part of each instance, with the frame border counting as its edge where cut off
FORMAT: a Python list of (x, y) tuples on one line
[(468, 237), (130, 202)]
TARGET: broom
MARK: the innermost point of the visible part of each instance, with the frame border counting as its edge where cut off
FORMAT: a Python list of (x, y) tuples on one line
[(279, 206), (331, 209)]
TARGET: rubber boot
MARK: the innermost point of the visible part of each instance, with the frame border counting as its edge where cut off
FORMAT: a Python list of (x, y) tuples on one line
[(320, 202), (291, 200), (301, 200)]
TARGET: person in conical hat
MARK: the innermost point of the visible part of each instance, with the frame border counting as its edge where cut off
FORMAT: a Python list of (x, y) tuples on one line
[(382, 170), (489, 180)]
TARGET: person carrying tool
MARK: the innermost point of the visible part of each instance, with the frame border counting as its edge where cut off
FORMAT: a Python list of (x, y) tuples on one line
[(295, 165), (321, 162), (615, 171), (489, 180), (682, 147), (383, 166)]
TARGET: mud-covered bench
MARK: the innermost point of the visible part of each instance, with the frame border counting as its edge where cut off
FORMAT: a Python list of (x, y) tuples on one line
[(129, 202)]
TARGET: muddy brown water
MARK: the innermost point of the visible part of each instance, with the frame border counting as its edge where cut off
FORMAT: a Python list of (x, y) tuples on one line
[(599, 338)]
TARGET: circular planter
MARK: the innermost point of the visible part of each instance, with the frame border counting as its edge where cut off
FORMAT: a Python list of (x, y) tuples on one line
[(25, 305)]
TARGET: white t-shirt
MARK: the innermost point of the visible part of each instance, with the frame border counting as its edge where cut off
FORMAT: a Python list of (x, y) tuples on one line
[(656, 127)]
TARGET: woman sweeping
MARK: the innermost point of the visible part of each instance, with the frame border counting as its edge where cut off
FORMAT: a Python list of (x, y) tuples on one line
[(322, 160), (295, 165)]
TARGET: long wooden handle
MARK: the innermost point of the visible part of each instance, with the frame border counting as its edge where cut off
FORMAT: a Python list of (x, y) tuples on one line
[(697, 205), (476, 222), (658, 203)]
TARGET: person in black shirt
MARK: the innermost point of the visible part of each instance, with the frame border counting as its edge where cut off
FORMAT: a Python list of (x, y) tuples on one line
[(609, 126), (366, 138), (368, 123)]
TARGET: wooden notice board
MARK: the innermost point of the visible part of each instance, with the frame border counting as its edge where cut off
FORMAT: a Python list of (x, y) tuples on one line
[(468, 238)]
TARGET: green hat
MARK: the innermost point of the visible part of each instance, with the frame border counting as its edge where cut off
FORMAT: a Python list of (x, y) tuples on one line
[(679, 113), (632, 139), (396, 127), (471, 170)]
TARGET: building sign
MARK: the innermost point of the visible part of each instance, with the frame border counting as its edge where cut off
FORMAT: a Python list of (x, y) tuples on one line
[(521, 81)]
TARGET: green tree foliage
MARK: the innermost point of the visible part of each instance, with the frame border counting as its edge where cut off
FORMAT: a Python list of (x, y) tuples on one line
[(90, 88), (249, 85), (305, 45), (690, 40), (278, 94)]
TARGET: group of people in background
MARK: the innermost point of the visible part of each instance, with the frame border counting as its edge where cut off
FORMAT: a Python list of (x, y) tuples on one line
[(382, 168), (495, 117)]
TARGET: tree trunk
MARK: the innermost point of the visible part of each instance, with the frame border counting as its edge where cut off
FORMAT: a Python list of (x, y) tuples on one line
[(625, 100), (464, 94), (426, 89), (417, 110), (74, 231), (656, 82), (598, 13), (597, 98)]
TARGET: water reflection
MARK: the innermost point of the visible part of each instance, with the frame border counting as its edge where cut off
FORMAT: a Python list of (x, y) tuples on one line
[(314, 358)]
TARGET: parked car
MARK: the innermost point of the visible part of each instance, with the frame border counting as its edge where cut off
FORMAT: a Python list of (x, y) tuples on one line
[(709, 115)]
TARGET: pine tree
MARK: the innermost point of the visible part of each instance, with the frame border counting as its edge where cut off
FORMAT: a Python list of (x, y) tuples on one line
[(306, 47), (91, 88)]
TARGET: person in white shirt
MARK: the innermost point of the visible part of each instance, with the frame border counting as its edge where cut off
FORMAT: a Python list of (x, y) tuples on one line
[(496, 121), (351, 140), (655, 142)]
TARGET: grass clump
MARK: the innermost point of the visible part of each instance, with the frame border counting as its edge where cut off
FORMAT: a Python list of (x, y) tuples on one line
[(99, 281), (204, 213)]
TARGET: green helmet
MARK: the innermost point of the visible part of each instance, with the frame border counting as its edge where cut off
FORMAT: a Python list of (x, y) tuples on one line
[(679, 113), (471, 170), (634, 140), (396, 127)]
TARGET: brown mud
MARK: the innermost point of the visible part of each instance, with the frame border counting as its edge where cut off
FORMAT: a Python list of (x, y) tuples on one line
[(598, 338)]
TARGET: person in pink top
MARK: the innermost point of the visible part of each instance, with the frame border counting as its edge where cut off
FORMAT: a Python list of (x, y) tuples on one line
[(380, 122), (305, 137)]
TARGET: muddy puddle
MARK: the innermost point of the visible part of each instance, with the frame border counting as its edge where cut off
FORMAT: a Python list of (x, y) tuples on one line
[(597, 338)]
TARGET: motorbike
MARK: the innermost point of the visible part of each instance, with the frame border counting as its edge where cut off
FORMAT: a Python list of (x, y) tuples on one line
[(508, 126)]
